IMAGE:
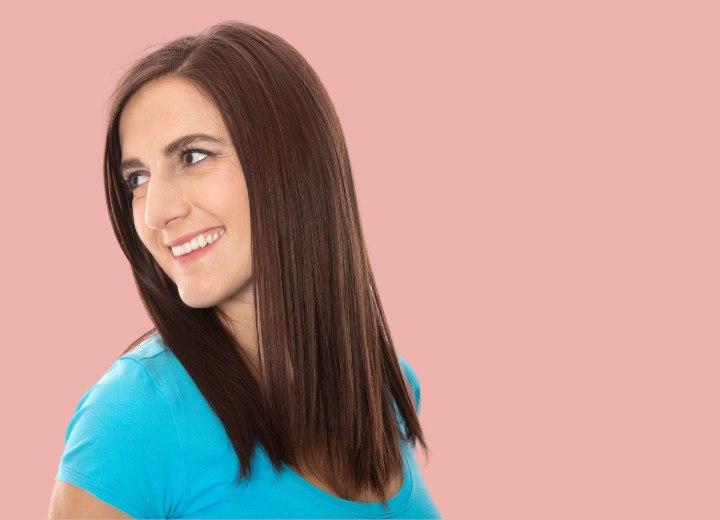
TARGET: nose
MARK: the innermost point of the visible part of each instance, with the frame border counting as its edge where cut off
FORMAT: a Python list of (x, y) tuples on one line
[(164, 200)]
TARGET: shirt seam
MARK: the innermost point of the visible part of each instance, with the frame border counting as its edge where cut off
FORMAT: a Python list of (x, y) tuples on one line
[(183, 502), (133, 354)]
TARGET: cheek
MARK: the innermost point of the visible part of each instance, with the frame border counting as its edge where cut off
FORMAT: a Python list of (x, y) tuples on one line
[(137, 223), (143, 232), (229, 189), (216, 195), (138, 212), (233, 202)]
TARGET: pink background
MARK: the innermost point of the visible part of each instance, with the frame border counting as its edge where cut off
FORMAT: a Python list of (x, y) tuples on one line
[(538, 185)]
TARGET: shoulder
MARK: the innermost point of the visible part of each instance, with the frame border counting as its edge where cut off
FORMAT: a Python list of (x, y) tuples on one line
[(131, 382), (130, 397), (407, 368), (411, 377), (147, 348), (122, 443)]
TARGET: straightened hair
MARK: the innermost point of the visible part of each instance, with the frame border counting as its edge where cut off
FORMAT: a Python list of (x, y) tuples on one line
[(323, 400)]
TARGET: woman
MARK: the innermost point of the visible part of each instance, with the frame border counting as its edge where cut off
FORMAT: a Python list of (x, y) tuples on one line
[(269, 386)]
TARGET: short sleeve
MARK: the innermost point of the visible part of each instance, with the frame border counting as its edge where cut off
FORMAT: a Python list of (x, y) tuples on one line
[(412, 379), (122, 444)]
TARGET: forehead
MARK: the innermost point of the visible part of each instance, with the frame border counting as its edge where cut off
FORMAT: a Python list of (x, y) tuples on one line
[(164, 108)]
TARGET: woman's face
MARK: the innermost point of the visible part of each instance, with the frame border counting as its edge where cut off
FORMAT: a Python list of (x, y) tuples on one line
[(179, 194)]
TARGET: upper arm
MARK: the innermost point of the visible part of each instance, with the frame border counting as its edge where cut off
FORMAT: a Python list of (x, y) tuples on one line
[(68, 501), (123, 446)]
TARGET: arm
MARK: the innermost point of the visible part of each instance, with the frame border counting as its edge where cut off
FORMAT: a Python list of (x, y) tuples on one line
[(68, 501), (123, 447)]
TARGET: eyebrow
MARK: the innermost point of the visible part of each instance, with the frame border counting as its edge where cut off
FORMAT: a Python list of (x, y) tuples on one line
[(171, 148)]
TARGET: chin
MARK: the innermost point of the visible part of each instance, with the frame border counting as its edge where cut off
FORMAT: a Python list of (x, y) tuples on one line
[(197, 300)]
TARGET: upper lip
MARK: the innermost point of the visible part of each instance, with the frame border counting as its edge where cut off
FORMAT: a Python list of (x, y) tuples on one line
[(189, 236)]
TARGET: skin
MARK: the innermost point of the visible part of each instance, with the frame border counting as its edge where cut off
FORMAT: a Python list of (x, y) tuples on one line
[(69, 501), (177, 195), (174, 196)]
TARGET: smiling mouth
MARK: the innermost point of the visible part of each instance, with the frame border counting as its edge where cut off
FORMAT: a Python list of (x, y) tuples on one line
[(197, 247)]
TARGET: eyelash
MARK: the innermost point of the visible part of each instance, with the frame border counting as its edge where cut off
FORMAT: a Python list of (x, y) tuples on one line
[(181, 153)]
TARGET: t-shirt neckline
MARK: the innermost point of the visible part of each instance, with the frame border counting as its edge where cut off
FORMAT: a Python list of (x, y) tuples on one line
[(396, 503)]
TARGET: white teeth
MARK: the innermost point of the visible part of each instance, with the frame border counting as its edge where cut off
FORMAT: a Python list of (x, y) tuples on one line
[(195, 243)]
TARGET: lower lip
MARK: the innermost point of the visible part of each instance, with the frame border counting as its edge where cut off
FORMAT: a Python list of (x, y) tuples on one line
[(194, 255)]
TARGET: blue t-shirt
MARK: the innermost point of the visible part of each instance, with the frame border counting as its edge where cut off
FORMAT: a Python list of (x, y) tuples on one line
[(145, 440)]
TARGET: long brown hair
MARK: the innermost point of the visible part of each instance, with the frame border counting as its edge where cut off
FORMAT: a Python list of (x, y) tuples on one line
[(330, 373)]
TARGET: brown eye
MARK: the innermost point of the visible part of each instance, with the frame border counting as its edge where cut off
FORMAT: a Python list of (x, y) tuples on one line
[(130, 178), (190, 152)]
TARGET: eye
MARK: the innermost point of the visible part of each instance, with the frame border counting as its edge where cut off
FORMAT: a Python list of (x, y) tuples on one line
[(131, 177), (189, 152), (183, 153)]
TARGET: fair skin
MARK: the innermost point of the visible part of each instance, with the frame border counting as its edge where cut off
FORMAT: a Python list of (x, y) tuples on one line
[(175, 195), (69, 501)]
